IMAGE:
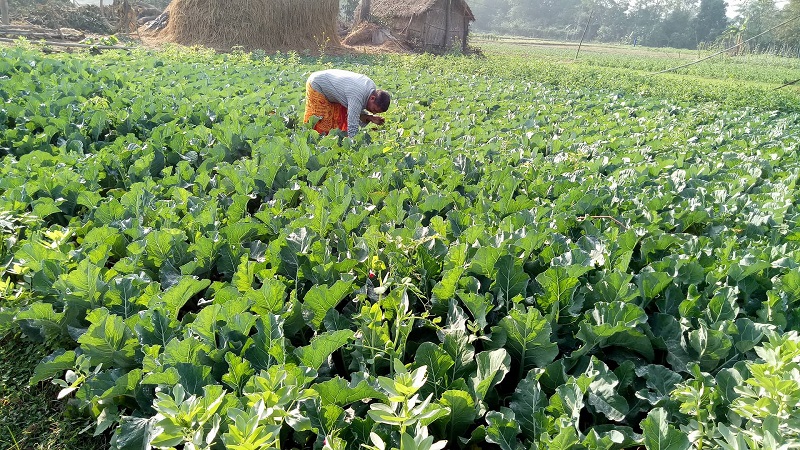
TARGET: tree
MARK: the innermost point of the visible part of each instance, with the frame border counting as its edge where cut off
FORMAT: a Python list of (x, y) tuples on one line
[(676, 30), (4, 11), (610, 22), (756, 16), (790, 33), (366, 10), (711, 20), (347, 10)]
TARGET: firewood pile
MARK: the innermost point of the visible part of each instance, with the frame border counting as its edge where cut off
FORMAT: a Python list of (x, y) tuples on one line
[(59, 20)]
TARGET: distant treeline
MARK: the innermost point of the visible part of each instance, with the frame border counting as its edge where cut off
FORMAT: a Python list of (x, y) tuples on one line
[(656, 23)]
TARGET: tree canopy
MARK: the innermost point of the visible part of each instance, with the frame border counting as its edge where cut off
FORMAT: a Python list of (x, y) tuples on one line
[(658, 23)]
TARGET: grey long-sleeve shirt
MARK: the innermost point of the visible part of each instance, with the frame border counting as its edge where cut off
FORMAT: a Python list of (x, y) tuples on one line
[(345, 88)]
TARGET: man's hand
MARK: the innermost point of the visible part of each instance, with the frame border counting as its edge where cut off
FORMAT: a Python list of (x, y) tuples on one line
[(377, 120)]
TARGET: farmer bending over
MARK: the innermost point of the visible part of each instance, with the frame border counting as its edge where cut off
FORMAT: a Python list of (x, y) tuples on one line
[(340, 98)]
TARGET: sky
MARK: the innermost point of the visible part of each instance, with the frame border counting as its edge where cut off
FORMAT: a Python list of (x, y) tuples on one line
[(733, 6)]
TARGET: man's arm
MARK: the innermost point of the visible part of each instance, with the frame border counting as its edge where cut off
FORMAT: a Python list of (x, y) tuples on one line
[(354, 111)]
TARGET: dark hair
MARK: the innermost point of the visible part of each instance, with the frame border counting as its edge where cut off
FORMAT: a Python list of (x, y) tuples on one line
[(382, 100)]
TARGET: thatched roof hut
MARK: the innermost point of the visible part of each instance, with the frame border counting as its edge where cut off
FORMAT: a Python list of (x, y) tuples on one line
[(430, 25), (270, 25)]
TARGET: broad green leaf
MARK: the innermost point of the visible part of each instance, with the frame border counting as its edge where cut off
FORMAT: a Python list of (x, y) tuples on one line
[(492, 368), (45, 206), (616, 324), (445, 289), (166, 247), (297, 244), (616, 286), (479, 306), (711, 346), (338, 392), (559, 288), (568, 401), (194, 377), (602, 392), (528, 339), (176, 296), (652, 283), (528, 404), (52, 365), (132, 433), (187, 350), (749, 265), (566, 439), (239, 371), (502, 429), (84, 285), (728, 381), (462, 413), (462, 352), (320, 299), (577, 262), (510, 278), (108, 340), (484, 262), (269, 299), (128, 295), (112, 237), (322, 346), (438, 363), (790, 284), (125, 385), (660, 435), (266, 347), (325, 418), (723, 305), (611, 437), (660, 382), (212, 321), (155, 328), (40, 322)]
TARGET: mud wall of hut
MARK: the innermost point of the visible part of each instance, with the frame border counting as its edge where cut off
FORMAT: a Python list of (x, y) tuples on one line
[(427, 30)]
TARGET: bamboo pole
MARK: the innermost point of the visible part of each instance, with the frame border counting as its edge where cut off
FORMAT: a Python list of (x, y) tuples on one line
[(447, 24), (4, 12), (583, 36)]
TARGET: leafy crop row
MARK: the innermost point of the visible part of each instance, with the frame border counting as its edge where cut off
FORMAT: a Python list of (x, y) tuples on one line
[(525, 264)]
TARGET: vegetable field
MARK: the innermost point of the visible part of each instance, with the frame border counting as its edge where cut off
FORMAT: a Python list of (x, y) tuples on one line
[(533, 253)]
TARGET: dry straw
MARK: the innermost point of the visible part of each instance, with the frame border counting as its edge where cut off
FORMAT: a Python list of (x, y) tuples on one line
[(270, 25), (409, 8)]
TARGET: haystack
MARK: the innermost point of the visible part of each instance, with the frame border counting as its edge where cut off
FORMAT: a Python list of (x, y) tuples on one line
[(368, 34), (362, 34), (270, 25)]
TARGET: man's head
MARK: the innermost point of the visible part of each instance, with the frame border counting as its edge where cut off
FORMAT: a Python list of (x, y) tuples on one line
[(378, 102)]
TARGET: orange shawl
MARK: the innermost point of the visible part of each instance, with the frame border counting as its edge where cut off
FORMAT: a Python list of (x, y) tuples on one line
[(332, 115)]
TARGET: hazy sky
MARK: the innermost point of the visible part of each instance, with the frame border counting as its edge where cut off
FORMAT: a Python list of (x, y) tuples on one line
[(733, 6)]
